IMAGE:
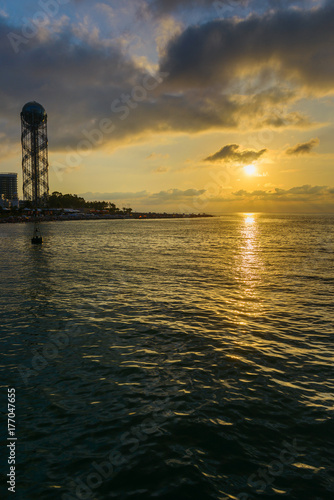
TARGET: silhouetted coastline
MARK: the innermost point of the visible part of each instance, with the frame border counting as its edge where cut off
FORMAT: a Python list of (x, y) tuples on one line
[(77, 215)]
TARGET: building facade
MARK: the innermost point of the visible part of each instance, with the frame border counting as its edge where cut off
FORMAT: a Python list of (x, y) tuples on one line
[(8, 186)]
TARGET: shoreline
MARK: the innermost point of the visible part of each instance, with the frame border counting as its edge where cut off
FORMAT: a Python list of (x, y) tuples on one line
[(21, 219)]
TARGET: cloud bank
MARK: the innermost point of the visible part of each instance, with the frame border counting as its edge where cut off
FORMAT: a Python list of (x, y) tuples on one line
[(195, 198), (304, 193), (167, 196), (297, 45), (82, 78)]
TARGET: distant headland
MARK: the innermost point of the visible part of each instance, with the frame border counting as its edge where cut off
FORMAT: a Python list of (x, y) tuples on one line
[(73, 207)]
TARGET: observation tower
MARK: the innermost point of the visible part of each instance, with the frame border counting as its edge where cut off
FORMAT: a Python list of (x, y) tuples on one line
[(35, 165)]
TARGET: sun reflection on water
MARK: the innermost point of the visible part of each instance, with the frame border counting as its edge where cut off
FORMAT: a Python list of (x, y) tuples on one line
[(249, 240), (249, 219), (249, 270)]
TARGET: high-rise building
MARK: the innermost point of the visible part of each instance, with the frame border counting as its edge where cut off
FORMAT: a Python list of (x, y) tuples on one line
[(8, 186)]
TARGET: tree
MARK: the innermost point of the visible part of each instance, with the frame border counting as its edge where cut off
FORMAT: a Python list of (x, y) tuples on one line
[(59, 200)]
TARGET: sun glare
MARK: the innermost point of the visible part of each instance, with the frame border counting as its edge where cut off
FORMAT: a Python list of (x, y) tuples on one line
[(249, 219), (250, 170)]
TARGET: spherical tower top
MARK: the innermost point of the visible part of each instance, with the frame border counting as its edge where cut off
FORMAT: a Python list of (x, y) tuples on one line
[(33, 113)]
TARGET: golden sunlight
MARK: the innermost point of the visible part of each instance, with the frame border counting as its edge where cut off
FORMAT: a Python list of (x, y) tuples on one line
[(250, 170), (249, 219)]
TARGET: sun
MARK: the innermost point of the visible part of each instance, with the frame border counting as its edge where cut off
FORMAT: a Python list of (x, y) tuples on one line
[(250, 170)]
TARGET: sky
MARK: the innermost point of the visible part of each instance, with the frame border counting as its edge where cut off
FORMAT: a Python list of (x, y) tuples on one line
[(176, 105)]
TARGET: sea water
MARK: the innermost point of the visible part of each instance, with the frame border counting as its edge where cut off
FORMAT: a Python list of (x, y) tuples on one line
[(170, 359)]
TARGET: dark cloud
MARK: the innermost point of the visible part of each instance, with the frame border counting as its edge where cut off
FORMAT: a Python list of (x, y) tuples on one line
[(79, 77), (232, 152), (75, 79), (78, 80), (303, 148), (294, 44)]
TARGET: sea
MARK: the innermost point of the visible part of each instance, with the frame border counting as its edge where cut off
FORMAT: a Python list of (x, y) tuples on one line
[(177, 359)]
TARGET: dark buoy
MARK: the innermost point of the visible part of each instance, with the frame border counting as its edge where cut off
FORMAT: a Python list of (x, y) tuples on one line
[(37, 237)]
